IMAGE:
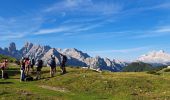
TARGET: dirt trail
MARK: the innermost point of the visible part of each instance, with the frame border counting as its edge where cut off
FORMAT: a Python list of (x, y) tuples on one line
[(54, 88)]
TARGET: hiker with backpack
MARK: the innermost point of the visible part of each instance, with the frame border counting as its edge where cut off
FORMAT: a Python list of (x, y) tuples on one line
[(32, 63), (39, 65), (63, 63), (22, 69), (3, 66), (52, 64)]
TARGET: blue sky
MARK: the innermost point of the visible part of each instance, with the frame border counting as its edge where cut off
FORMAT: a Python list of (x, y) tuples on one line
[(121, 29)]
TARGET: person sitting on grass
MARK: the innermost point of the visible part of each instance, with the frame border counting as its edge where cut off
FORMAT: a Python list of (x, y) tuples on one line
[(3, 66), (52, 64), (39, 65)]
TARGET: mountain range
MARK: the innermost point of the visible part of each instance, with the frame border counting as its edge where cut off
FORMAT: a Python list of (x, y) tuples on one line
[(75, 57), (81, 59)]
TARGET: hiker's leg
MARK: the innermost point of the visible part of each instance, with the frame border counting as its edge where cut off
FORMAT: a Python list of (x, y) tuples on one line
[(64, 68), (39, 74), (55, 70), (2, 74), (51, 72), (26, 70), (36, 75), (21, 77)]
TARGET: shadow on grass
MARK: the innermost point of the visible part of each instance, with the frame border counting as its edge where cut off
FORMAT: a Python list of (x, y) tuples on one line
[(6, 83), (3, 93), (12, 72)]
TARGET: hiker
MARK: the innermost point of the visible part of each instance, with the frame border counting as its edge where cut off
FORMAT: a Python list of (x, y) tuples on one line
[(32, 63), (27, 66), (3, 66), (63, 63), (22, 69), (39, 65), (52, 64)]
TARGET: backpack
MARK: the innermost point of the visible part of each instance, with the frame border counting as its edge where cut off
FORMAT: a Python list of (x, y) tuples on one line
[(40, 63), (29, 78), (64, 59), (53, 63)]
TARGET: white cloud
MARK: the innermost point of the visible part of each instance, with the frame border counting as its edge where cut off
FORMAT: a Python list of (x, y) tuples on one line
[(163, 29), (159, 31), (71, 29), (85, 7), (62, 29), (8, 37)]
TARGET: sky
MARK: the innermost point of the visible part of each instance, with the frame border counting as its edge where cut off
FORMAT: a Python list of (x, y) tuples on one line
[(119, 29)]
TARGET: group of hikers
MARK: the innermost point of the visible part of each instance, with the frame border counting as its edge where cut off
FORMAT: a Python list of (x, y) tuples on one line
[(27, 65)]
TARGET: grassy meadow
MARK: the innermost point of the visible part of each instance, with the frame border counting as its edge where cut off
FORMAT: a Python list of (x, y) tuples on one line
[(84, 84)]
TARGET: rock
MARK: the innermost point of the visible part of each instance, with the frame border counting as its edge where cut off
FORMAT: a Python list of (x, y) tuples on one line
[(12, 47), (26, 48), (48, 54)]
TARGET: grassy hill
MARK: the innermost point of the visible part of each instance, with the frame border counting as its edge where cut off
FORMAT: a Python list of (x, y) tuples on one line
[(138, 67), (83, 84), (10, 59)]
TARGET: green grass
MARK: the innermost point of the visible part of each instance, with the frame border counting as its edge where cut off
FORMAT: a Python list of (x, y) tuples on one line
[(83, 84)]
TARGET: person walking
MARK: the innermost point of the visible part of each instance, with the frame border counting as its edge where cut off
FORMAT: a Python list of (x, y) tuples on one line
[(63, 63), (39, 65), (52, 64)]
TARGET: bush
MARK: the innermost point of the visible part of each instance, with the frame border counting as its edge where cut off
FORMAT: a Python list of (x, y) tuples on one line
[(167, 70), (153, 72), (137, 67), (159, 68)]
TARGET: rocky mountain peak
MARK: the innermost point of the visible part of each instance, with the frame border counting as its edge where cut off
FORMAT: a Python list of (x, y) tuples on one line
[(75, 53), (12, 47), (75, 57), (28, 45)]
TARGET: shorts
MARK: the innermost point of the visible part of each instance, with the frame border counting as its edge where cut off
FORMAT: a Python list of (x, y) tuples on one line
[(2, 68), (52, 67)]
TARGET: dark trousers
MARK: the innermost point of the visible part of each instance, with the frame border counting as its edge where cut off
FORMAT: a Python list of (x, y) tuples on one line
[(63, 68)]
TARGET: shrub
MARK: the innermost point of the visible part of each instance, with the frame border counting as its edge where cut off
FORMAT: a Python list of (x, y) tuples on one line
[(167, 70), (153, 72)]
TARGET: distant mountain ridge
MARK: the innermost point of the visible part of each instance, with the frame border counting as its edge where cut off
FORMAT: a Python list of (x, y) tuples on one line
[(75, 57)]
